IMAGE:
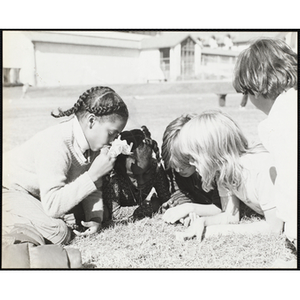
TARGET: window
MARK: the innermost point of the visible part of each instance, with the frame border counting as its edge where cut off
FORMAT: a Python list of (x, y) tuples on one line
[(187, 58), (165, 61), (11, 76), (207, 59)]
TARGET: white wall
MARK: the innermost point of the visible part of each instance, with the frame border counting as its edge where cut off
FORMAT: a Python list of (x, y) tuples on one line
[(292, 40), (197, 59), (175, 62), (149, 66), (66, 64), (18, 53)]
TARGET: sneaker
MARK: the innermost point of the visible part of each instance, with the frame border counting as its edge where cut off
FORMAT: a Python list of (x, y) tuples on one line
[(144, 210)]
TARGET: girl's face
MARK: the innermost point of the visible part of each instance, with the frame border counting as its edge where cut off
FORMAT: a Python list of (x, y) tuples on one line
[(186, 171), (102, 131)]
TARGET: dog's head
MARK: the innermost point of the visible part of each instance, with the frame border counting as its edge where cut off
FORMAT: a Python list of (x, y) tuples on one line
[(142, 149)]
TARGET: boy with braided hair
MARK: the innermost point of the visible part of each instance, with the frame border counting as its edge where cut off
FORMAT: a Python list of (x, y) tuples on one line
[(135, 177), (61, 168)]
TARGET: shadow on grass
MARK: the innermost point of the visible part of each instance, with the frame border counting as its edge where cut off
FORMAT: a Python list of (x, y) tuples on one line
[(289, 245), (89, 266), (247, 213)]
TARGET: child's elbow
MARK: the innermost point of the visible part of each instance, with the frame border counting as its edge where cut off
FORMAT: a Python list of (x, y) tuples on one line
[(51, 211), (276, 227)]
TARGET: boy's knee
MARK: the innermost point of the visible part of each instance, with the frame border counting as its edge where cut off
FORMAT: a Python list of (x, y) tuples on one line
[(61, 234)]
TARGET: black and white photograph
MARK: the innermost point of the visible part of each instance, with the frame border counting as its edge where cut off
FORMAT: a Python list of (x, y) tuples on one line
[(149, 149)]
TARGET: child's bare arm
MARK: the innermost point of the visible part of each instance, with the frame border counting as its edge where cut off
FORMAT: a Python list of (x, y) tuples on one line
[(272, 225), (259, 227), (178, 212), (230, 214)]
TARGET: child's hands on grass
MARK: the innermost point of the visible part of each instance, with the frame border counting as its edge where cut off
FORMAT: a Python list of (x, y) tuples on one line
[(177, 198), (196, 229), (175, 214), (189, 219), (92, 226)]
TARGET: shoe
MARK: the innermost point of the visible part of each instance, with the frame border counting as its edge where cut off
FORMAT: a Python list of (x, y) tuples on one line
[(144, 210)]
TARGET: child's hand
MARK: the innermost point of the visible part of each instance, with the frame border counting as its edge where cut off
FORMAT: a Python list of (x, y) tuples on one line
[(176, 199), (92, 226), (102, 165), (174, 214), (69, 219), (189, 219), (196, 229)]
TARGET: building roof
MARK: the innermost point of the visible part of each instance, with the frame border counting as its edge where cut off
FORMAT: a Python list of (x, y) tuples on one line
[(239, 37), (166, 40), (219, 51), (94, 38), (169, 39)]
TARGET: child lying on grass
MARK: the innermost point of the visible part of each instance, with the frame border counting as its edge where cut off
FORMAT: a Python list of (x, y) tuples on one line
[(218, 149), (187, 180), (135, 176)]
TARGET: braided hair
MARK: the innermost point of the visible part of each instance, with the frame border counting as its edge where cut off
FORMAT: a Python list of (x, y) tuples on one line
[(152, 143), (100, 101)]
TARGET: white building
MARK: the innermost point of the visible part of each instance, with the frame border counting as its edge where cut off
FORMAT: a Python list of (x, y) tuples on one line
[(57, 58), (73, 57)]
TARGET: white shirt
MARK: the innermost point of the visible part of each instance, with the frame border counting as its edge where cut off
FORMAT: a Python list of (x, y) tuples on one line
[(257, 190), (279, 135)]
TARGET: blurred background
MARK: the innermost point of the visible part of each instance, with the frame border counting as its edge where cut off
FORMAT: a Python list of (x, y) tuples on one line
[(159, 74), (60, 58)]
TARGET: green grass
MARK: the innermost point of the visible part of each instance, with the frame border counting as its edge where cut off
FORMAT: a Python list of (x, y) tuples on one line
[(150, 243)]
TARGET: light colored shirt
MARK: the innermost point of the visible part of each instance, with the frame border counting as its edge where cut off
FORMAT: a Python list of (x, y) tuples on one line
[(279, 135), (48, 167), (80, 143), (257, 190)]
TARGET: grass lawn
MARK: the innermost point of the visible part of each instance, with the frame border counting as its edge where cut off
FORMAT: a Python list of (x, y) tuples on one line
[(150, 243)]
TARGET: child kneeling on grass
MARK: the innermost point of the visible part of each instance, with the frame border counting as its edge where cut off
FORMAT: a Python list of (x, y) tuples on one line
[(135, 176), (188, 182), (220, 152), (61, 168), (267, 72)]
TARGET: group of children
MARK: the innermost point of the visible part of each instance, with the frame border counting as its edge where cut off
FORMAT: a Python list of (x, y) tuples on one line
[(68, 169)]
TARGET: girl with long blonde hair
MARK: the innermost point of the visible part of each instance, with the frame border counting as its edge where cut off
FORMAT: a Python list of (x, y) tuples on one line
[(217, 147)]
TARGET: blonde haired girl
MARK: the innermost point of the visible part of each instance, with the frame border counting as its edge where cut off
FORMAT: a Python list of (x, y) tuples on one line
[(216, 146), (186, 183)]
